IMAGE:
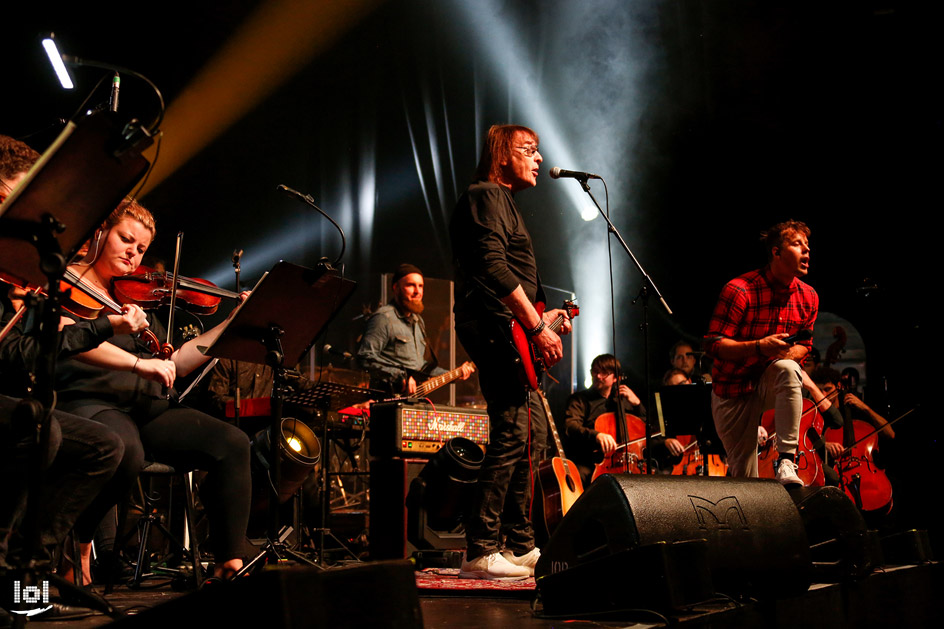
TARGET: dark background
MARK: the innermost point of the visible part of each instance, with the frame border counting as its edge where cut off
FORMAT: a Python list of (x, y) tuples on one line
[(744, 114)]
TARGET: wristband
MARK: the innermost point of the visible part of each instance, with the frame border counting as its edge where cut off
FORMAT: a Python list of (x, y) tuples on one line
[(757, 348), (135, 366), (536, 329)]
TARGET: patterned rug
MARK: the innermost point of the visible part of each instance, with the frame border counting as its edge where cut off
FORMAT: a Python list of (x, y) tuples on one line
[(446, 582)]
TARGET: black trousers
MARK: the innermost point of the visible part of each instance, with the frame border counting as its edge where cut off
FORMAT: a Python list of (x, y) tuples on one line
[(500, 515), (187, 439), (78, 464)]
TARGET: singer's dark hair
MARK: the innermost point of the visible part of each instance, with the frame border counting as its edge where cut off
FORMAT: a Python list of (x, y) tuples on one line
[(776, 235), (497, 149), (15, 157)]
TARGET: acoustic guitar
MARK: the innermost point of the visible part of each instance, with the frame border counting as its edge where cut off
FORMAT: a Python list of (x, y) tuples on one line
[(558, 485)]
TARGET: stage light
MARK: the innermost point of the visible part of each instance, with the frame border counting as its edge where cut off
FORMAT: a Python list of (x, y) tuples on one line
[(55, 58), (299, 450)]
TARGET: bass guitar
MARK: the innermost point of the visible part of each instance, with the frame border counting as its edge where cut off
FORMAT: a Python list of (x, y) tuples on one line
[(559, 483), (422, 390), (532, 365)]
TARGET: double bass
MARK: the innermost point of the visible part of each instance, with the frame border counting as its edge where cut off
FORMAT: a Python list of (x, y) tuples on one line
[(862, 480)]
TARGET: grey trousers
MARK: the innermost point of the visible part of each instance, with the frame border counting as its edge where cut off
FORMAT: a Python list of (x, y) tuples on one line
[(736, 419)]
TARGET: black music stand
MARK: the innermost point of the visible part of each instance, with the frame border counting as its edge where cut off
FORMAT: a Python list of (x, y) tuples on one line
[(279, 322), (685, 409), (329, 396), (69, 192)]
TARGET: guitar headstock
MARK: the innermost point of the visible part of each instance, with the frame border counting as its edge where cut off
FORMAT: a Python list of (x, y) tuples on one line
[(571, 308)]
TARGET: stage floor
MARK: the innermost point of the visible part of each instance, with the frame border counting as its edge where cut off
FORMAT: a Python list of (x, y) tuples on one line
[(902, 596)]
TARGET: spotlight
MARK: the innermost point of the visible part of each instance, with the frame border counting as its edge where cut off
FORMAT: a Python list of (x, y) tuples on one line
[(299, 450), (55, 58), (439, 494)]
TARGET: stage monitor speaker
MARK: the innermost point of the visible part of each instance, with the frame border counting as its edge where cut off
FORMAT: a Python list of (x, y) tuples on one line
[(756, 541), (841, 547), (664, 578), (298, 597)]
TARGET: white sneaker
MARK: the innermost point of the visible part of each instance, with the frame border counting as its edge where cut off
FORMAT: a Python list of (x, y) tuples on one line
[(493, 567), (527, 560), (786, 473)]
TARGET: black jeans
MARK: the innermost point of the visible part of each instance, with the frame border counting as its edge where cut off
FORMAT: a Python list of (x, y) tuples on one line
[(188, 439), (500, 516), (80, 461)]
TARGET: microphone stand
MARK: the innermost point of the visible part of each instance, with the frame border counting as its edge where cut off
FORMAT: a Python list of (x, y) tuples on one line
[(644, 293)]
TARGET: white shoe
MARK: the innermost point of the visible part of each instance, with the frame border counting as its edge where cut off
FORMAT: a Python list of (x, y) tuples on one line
[(492, 567), (786, 473), (527, 560)]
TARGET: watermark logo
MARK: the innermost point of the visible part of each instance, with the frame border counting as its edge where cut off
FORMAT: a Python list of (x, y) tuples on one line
[(31, 595)]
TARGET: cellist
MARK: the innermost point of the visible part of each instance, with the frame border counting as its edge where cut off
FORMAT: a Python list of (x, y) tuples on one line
[(583, 443)]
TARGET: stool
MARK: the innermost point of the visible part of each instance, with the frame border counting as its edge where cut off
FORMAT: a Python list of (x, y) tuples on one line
[(149, 520)]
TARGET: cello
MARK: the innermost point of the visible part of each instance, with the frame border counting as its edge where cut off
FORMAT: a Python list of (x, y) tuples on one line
[(862, 480), (630, 436), (809, 466)]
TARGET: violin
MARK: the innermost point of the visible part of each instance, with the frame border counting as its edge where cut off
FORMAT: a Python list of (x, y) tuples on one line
[(87, 302), (152, 289), (809, 466)]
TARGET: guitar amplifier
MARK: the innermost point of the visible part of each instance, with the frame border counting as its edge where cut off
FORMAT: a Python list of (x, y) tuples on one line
[(408, 428)]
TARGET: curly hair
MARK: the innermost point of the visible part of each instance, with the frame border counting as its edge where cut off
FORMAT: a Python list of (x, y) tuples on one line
[(15, 156), (497, 149)]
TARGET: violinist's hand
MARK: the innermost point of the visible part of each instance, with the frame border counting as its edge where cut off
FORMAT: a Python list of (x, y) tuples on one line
[(131, 321), (761, 435), (607, 443), (627, 394), (674, 446), (243, 296), (163, 372), (551, 315)]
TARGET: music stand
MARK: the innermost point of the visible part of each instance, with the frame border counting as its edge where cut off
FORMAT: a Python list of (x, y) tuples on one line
[(330, 395), (685, 409), (276, 326), (69, 192)]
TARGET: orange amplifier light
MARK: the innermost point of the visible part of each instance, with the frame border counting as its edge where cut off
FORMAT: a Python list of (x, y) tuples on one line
[(402, 427)]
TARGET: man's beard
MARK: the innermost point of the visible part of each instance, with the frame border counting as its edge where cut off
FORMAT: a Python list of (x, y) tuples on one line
[(414, 307)]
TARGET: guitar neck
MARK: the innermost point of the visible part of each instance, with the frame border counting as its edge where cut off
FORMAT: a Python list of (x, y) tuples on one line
[(436, 382), (552, 426)]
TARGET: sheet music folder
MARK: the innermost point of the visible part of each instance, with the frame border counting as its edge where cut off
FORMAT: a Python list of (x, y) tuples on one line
[(79, 180), (298, 300)]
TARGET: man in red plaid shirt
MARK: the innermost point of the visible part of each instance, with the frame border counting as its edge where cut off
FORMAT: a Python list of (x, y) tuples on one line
[(754, 368)]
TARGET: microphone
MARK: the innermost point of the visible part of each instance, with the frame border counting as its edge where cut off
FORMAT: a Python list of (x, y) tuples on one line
[(557, 173), (292, 192), (113, 97), (328, 349)]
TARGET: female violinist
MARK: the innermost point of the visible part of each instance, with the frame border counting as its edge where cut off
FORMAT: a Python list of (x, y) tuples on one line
[(121, 385), (584, 442)]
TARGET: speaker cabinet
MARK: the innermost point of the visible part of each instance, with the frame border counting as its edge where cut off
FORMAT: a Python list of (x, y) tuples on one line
[(756, 541)]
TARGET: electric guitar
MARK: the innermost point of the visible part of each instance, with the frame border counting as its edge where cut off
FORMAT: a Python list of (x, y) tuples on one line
[(422, 390), (559, 483), (532, 365)]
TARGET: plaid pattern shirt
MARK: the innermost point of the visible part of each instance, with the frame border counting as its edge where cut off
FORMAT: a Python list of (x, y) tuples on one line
[(751, 307)]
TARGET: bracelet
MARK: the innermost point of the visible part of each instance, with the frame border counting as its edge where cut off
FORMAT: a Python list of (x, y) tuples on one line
[(536, 329), (135, 366), (757, 348)]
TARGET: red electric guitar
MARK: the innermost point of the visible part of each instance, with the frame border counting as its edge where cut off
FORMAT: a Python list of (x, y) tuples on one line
[(532, 365)]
